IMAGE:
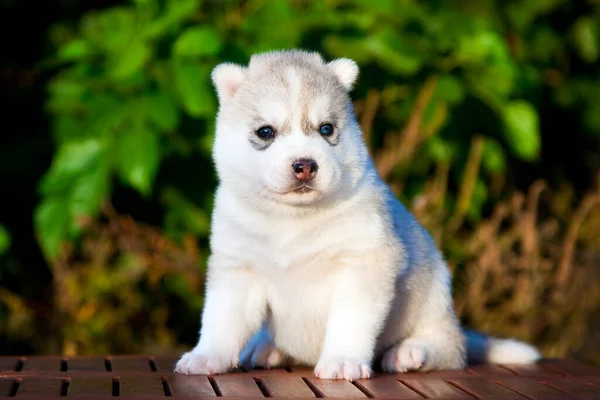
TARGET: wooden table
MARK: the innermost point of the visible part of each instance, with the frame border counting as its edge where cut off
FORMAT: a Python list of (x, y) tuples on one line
[(147, 377)]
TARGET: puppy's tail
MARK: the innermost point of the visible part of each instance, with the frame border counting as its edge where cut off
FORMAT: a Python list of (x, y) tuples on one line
[(484, 349)]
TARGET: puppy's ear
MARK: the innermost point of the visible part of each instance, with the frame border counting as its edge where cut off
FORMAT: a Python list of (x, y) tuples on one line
[(345, 70), (227, 78)]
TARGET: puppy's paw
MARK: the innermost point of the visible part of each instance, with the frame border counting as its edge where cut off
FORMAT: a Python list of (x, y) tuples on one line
[(337, 368), (410, 355), (196, 363)]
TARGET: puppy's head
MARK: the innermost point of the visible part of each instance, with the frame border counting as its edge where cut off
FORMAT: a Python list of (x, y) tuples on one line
[(286, 131)]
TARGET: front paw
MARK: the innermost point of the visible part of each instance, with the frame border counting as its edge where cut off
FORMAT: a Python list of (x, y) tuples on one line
[(197, 363), (339, 368)]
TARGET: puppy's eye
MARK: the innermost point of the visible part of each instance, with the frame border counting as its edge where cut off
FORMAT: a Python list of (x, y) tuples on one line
[(265, 132), (326, 129)]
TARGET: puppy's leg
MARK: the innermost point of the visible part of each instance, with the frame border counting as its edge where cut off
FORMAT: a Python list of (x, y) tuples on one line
[(261, 351), (234, 309), (436, 341), (360, 303)]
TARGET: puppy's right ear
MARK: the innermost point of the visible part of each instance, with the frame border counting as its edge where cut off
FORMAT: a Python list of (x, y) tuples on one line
[(227, 78)]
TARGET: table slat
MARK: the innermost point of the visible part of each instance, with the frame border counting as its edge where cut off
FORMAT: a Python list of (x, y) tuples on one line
[(487, 389), (336, 388), (42, 364), (286, 386), (83, 385), (39, 386), (166, 364), (6, 386), (436, 388), (571, 367), (8, 364), (241, 385), (86, 364), (190, 385), (534, 389), (531, 370), (490, 370), (130, 363), (141, 385), (579, 389), (385, 386)]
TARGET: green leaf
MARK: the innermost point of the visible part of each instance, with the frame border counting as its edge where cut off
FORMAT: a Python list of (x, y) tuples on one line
[(162, 111), (493, 158), (4, 240), (522, 129), (72, 158), (138, 156), (51, 219), (193, 87), (74, 50), (197, 41), (450, 89), (131, 60), (586, 33), (87, 194)]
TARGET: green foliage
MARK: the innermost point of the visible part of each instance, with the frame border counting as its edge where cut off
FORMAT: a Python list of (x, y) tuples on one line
[(131, 74), (4, 240)]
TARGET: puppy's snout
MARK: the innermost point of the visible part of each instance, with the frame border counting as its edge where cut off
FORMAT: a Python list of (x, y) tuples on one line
[(305, 168)]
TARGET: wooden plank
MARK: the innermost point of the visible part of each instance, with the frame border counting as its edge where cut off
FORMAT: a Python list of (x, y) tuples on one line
[(42, 364), (570, 367), (286, 386), (39, 386), (130, 363), (241, 385), (447, 374), (386, 386), (486, 389), (86, 364), (579, 389), (6, 386), (489, 370), (165, 364), (302, 371), (8, 364), (436, 388), (141, 386), (84, 385), (190, 385), (534, 389), (531, 370), (335, 388)]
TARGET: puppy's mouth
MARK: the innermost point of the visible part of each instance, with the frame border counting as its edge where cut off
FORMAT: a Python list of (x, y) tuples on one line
[(301, 189)]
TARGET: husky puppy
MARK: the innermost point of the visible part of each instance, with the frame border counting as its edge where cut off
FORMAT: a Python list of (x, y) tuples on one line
[(313, 259)]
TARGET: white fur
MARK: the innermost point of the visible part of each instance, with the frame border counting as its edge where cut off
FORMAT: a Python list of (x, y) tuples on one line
[(333, 278)]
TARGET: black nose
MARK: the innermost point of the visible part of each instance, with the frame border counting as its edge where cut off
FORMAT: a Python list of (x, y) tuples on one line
[(305, 168)]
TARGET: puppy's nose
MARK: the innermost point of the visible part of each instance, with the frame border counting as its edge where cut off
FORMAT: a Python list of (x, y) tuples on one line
[(304, 168)]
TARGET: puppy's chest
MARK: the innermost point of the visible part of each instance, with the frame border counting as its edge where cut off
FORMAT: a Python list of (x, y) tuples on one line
[(292, 248)]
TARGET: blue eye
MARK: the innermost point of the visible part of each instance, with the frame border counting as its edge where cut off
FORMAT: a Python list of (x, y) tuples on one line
[(326, 129), (265, 132)]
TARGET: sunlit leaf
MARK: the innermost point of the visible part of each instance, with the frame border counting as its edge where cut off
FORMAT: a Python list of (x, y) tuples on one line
[(193, 87), (4, 240), (138, 156), (197, 41), (51, 222), (522, 129), (493, 158)]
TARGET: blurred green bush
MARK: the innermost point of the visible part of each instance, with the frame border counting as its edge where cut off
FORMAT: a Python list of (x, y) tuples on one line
[(451, 97)]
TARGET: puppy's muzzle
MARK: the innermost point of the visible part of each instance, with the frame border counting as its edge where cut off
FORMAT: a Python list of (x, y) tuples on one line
[(305, 169)]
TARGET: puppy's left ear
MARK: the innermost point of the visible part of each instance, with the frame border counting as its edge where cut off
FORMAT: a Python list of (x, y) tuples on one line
[(227, 78), (345, 70)]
